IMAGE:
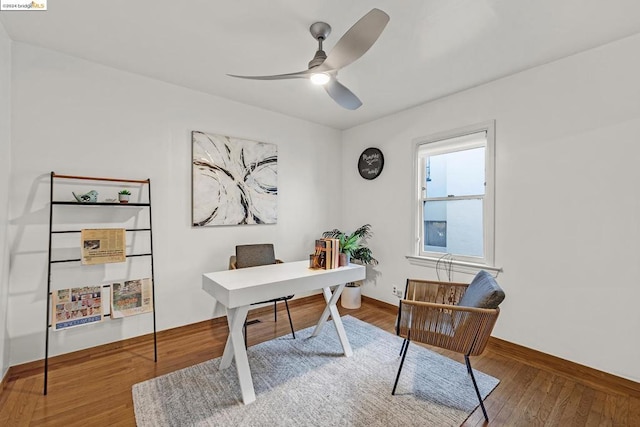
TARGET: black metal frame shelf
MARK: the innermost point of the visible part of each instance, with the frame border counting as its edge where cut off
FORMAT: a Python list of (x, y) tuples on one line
[(124, 205), (80, 231), (51, 261), (58, 261)]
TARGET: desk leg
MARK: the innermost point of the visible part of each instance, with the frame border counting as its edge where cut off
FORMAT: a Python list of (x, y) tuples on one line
[(332, 299), (235, 349)]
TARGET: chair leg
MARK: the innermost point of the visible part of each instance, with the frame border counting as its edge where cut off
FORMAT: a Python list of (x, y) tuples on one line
[(405, 347), (290, 322), (475, 385)]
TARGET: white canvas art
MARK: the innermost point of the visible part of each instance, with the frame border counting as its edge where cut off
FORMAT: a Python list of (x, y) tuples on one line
[(235, 181)]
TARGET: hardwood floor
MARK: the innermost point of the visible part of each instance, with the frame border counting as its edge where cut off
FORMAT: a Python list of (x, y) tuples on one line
[(93, 387)]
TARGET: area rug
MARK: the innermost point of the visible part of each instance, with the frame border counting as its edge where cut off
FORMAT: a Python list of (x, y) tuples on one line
[(308, 382)]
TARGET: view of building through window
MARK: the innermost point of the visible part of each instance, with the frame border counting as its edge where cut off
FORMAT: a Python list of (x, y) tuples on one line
[(435, 233), (459, 178)]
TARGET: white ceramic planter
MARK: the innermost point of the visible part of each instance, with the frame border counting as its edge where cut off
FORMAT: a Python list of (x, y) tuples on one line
[(351, 297)]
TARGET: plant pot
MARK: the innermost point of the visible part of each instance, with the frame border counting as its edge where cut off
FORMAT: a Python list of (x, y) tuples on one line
[(123, 198), (344, 260), (351, 297)]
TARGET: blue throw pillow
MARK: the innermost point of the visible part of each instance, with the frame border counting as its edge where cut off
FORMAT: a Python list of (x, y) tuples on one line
[(482, 292)]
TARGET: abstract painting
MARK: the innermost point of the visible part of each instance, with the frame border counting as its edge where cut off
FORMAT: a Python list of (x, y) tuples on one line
[(235, 181)]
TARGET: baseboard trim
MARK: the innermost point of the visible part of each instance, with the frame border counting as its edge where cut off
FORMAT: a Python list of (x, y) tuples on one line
[(5, 380), (37, 366), (574, 371), (381, 304)]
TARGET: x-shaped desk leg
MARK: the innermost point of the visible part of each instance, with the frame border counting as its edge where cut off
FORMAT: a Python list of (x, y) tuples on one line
[(332, 299), (235, 348)]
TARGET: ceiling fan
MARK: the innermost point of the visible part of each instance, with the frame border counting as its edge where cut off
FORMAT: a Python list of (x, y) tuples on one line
[(323, 68)]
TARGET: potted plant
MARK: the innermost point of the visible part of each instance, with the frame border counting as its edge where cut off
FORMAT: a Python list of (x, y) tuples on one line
[(352, 247), (123, 196)]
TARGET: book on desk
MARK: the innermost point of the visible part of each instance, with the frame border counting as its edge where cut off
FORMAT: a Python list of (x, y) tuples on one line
[(327, 254)]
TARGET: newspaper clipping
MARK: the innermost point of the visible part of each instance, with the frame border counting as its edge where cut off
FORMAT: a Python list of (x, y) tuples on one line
[(131, 297), (101, 246), (77, 306)]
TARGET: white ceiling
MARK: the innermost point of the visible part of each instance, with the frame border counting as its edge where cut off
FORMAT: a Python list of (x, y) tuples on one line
[(429, 49)]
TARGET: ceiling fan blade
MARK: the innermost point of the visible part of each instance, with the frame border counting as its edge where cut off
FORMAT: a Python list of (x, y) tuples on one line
[(298, 75), (356, 41), (342, 95)]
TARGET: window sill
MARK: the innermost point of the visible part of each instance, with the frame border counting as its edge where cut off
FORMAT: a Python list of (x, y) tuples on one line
[(458, 266)]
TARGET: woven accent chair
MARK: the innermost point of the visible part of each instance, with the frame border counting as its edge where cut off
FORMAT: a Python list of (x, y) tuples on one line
[(252, 256), (453, 316)]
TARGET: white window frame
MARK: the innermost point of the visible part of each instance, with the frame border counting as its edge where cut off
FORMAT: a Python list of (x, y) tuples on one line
[(439, 142)]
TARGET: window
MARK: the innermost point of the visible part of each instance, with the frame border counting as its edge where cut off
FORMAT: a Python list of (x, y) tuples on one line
[(454, 188)]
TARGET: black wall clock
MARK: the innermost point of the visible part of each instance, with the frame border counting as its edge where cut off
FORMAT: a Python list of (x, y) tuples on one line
[(370, 163)]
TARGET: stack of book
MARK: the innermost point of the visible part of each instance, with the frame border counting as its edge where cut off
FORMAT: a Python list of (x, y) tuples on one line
[(327, 253)]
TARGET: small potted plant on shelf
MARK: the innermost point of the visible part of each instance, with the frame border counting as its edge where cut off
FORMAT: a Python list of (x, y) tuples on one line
[(352, 248), (123, 196)]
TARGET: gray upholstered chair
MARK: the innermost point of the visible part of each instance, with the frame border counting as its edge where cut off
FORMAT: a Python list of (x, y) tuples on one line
[(454, 316), (253, 256)]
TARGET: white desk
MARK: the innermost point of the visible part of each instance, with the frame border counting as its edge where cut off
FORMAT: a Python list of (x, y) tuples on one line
[(237, 289)]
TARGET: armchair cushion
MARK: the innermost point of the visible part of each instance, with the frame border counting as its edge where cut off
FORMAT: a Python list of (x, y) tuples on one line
[(482, 292)]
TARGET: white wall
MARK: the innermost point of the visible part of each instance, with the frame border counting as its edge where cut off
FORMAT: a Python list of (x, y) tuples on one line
[(76, 117), (566, 198), (5, 169), (567, 201)]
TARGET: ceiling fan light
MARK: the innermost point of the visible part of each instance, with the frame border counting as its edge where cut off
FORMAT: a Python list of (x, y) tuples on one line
[(320, 78)]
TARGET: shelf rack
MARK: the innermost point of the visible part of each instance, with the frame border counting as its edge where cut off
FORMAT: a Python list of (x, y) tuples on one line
[(52, 203)]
